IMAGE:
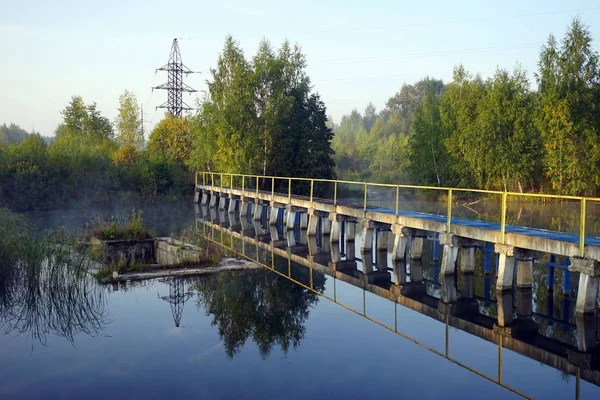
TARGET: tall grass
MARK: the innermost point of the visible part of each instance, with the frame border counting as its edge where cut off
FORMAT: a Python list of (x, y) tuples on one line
[(44, 286), (115, 228)]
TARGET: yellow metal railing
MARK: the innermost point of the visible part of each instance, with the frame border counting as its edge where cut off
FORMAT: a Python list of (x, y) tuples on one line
[(450, 192)]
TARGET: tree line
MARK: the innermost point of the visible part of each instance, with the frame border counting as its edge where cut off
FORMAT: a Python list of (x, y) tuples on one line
[(259, 117), (498, 133)]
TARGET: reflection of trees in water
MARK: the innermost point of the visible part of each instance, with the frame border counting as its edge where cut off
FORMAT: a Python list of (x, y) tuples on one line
[(47, 293), (258, 305)]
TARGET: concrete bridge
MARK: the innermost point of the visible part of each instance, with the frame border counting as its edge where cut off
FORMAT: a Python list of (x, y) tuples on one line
[(516, 246), (402, 282)]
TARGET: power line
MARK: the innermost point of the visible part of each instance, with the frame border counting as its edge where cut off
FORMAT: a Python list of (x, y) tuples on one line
[(460, 21)]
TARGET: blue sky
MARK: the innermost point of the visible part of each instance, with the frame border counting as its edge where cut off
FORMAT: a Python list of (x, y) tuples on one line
[(357, 51)]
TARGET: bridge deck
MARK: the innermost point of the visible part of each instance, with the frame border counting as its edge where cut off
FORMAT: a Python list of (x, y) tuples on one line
[(536, 239)]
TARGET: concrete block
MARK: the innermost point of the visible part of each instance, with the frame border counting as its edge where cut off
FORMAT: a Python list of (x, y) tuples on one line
[(585, 266)]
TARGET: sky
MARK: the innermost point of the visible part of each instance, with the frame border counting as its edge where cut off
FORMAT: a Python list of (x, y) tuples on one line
[(357, 51)]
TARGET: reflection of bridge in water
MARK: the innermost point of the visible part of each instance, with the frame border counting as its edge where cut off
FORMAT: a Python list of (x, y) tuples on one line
[(401, 280)]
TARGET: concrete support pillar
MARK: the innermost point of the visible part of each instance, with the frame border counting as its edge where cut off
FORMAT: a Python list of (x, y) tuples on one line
[(416, 270), (222, 203), (312, 225), (197, 195), (468, 285), (399, 272), (213, 200), (586, 294), (313, 250), (233, 221), (304, 221), (350, 251), (205, 198), (505, 308), (449, 257), (400, 242), (325, 226), (367, 261), (232, 205), (274, 234), (336, 231), (336, 255), (291, 238), (586, 333), (525, 273), (273, 214), (449, 292), (349, 230), (223, 220), (303, 237), (416, 247), (244, 208), (367, 240), (290, 220), (258, 211), (467, 260), (506, 266), (245, 225), (524, 302), (382, 240)]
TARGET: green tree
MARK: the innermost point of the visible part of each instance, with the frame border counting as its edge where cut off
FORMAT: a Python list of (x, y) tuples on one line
[(567, 117), (128, 122), (429, 161), (12, 134), (171, 137)]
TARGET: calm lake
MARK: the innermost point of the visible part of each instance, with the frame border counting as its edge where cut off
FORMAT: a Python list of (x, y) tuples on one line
[(282, 331)]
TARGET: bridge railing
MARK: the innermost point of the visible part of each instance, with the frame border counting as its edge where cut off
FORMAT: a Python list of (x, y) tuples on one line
[(333, 190)]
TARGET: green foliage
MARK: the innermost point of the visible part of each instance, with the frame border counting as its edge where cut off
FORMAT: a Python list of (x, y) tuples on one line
[(260, 117), (12, 134), (171, 137), (128, 122), (490, 134), (115, 228)]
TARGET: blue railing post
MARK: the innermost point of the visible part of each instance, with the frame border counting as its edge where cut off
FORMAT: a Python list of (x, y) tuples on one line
[(436, 247), (566, 278), (550, 283), (488, 257)]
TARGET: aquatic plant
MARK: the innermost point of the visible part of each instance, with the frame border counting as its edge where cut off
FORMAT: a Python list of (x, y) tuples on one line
[(115, 228), (45, 287)]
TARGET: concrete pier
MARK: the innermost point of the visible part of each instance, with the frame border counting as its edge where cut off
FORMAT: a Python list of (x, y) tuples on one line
[(258, 211), (525, 272), (350, 230), (273, 215), (222, 203), (232, 205), (416, 247), (244, 205), (506, 267), (290, 220), (213, 200), (303, 220), (367, 235), (313, 222)]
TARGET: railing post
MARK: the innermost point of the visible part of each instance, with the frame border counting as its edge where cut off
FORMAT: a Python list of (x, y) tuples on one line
[(212, 179), (196, 179), (365, 202), (582, 229), (397, 198), (257, 185), (289, 189), (272, 188), (503, 220), (221, 182), (335, 193), (243, 180), (231, 182), (449, 211), (312, 184)]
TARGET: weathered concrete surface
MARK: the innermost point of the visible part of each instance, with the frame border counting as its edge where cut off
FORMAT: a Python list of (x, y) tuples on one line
[(586, 294), (125, 252), (227, 264), (585, 266), (174, 252)]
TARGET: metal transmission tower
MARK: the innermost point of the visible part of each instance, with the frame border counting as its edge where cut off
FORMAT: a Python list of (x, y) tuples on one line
[(175, 86), (177, 298)]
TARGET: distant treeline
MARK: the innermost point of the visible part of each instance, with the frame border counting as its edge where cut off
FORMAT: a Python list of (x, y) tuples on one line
[(493, 134), (258, 117)]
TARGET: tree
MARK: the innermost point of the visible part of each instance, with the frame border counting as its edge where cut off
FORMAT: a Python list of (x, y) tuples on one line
[(12, 134), (260, 117), (567, 117), (84, 122), (171, 137), (429, 161), (128, 122)]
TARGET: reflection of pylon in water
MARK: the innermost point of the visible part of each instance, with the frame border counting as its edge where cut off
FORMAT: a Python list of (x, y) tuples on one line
[(177, 298)]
